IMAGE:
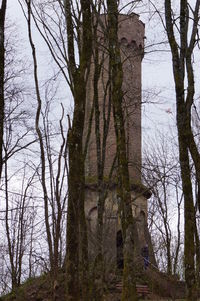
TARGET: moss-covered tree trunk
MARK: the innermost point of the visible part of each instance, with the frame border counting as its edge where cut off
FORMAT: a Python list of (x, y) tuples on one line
[(2, 73), (189, 216), (77, 244), (101, 193), (128, 225), (75, 209)]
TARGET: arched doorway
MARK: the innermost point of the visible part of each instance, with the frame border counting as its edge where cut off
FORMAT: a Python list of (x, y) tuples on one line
[(141, 227), (142, 219), (92, 218), (119, 245)]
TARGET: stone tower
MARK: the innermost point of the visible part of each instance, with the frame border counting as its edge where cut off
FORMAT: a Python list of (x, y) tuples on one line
[(131, 39)]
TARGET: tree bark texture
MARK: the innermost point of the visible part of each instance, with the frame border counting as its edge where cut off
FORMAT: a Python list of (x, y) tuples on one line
[(128, 225), (77, 246)]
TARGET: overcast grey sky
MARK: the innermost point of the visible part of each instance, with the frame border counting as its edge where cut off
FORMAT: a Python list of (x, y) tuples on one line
[(157, 80)]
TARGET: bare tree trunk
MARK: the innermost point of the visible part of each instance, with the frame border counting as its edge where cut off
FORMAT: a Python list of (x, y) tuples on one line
[(197, 253), (2, 73), (11, 245), (77, 245), (101, 134), (178, 233), (42, 152), (128, 225)]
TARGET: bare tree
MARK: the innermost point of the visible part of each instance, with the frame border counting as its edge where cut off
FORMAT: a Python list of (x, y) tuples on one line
[(75, 70), (78, 72), (2, 76), (182, 50), (128, 224), (53, 172), (17, 227), (161, 173)]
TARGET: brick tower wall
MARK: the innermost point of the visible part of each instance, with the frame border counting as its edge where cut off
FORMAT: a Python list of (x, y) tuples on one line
[(131, 39)]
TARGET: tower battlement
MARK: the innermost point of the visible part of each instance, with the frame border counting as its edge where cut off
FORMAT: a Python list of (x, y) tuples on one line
[(131, 30)]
